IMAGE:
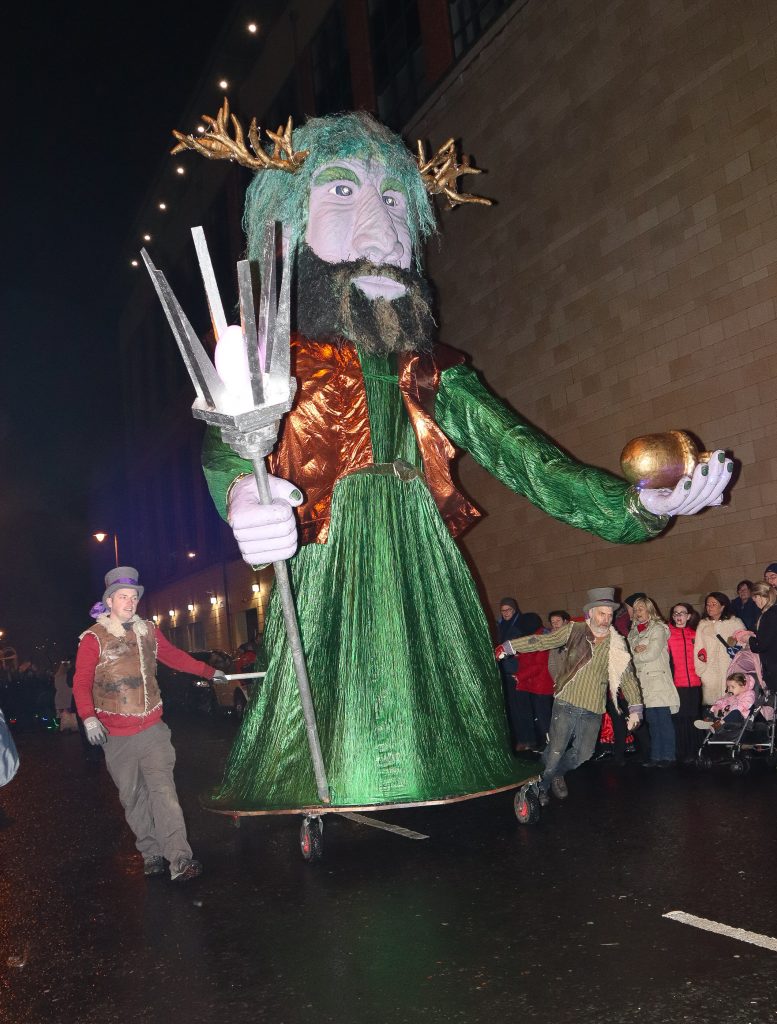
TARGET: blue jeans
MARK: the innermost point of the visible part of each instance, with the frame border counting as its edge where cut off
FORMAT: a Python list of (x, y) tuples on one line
[(573, 735), (662, 739)]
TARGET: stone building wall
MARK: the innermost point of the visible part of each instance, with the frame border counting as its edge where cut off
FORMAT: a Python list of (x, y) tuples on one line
[(625, 282)]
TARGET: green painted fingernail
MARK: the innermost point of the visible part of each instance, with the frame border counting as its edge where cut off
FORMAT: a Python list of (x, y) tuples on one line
[(687, 485), (705, 470), (295, 495), (721, 457), (730, 467)]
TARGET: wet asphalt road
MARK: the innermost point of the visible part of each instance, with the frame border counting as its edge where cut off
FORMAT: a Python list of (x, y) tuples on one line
[(485, 921)]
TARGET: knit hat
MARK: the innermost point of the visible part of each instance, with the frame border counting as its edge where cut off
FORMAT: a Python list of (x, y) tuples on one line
[(509, 601), (119, 578), (601, 597), (772, 567), (639, 596)]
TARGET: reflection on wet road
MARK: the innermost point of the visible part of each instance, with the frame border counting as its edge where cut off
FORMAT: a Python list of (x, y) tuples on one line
[(486, 920)]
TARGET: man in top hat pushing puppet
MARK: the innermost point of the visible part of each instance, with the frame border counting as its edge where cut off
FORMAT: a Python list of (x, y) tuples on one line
[(118, 698), (596, 659)]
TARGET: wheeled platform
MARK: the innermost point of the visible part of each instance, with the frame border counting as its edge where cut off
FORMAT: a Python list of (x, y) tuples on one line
[(526, 806)]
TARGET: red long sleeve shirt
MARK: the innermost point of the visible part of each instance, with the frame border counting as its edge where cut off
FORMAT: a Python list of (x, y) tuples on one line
[(126, 725)]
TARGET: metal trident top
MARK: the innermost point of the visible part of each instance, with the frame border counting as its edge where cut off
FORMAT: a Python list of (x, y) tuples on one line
[(250, 430)]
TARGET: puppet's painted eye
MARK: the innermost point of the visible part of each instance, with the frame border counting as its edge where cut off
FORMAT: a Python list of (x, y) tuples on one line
[(343, 190)]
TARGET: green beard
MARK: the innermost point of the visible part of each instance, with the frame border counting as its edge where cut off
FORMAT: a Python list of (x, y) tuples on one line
[(329, 305)]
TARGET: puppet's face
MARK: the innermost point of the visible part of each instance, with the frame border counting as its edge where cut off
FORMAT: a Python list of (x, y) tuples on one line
[(357, 212)]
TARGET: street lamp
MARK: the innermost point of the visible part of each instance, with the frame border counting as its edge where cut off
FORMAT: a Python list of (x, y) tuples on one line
[(100, 537)]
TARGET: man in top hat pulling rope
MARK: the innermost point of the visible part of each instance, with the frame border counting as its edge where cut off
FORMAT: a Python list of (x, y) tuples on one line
[(118, 698), (596, 659)]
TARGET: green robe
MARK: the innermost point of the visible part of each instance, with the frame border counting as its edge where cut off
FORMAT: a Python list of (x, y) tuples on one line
[(406, 691)]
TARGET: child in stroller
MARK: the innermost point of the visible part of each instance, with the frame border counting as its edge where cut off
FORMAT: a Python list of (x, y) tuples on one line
[(743, 721), (734, 706)]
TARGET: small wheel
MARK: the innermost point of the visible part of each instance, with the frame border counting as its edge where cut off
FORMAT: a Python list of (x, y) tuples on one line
[(311, 841), (703, 762), (526, 805), (740, 766)]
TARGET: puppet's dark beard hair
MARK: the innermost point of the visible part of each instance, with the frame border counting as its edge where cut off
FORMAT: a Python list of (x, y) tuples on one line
[(330, 305)]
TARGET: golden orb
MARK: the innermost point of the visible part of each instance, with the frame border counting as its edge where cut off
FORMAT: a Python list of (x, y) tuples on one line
[(660, 460)]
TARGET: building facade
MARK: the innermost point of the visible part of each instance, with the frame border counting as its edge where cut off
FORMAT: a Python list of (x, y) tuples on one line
[(623, 283)]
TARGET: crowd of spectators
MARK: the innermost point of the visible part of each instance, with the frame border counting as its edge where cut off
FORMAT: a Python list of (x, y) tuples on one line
[(682, 663), (27, 696)]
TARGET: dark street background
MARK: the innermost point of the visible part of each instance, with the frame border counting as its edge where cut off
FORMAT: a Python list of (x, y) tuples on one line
[(484, 921), (92, 93)]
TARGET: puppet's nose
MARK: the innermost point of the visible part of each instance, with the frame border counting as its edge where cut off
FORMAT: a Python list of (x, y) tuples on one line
[(375, 236)]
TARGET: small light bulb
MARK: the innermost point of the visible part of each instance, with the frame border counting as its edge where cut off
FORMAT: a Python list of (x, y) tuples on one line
[(146, 238), (214, 600), (171, 613), (223, 84), (253, 28), (155, 618), (191, 554), (134, 263), (190, 607), (180, 170), (163, 206), (255, 587), (200, 129)]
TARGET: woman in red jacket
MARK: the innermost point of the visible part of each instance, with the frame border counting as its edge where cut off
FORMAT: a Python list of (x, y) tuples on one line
[(682, 631), (534, 696)]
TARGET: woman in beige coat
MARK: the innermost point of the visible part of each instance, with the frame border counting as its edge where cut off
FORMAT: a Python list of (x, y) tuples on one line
[(648, 642), (710, 657)]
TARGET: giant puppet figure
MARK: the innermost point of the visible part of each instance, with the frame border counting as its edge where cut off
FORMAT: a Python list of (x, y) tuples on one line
[(404, 683)]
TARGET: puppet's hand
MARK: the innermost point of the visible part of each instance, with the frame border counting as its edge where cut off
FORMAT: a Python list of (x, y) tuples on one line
[(264, 533), (692, 493)]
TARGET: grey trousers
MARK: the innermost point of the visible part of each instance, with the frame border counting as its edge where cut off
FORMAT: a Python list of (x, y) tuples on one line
[(141, 765), (571, 740)]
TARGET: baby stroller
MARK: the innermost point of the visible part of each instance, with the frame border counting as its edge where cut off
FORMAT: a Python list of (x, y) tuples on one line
[(736, 744)]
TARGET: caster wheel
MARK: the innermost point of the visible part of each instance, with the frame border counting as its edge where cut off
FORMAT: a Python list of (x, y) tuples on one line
[(527, 806), (740, 766), (311, 840), (703, 762)]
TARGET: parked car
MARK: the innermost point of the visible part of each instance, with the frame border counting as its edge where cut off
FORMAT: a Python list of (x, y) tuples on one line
[(183, 691)]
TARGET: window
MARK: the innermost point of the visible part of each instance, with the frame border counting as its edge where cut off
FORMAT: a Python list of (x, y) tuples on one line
[(331, 65), (398, 59), (470, 19), (196, 636)]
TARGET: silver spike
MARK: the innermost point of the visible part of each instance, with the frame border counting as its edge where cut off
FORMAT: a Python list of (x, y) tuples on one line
[(217, 318), (248, 323), (268, 299), (206, 381)]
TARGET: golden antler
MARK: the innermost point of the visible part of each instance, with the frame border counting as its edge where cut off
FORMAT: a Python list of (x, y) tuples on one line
[(217, 144), (441, 172)]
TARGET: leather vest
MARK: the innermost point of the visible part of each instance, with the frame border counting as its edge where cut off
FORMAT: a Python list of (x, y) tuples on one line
[(577, 653), (125, 677), (327, 433)]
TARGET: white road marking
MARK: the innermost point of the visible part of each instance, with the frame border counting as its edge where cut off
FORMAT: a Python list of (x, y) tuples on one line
[(362, 819), (741, 934)]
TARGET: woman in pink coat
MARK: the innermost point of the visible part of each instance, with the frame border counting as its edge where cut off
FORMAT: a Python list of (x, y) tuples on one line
[(682, 633)]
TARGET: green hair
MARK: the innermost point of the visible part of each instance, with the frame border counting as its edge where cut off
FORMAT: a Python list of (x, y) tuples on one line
[(280, 195)]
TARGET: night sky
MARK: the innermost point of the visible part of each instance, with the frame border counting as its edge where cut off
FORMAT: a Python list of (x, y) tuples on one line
[(91, 92)]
